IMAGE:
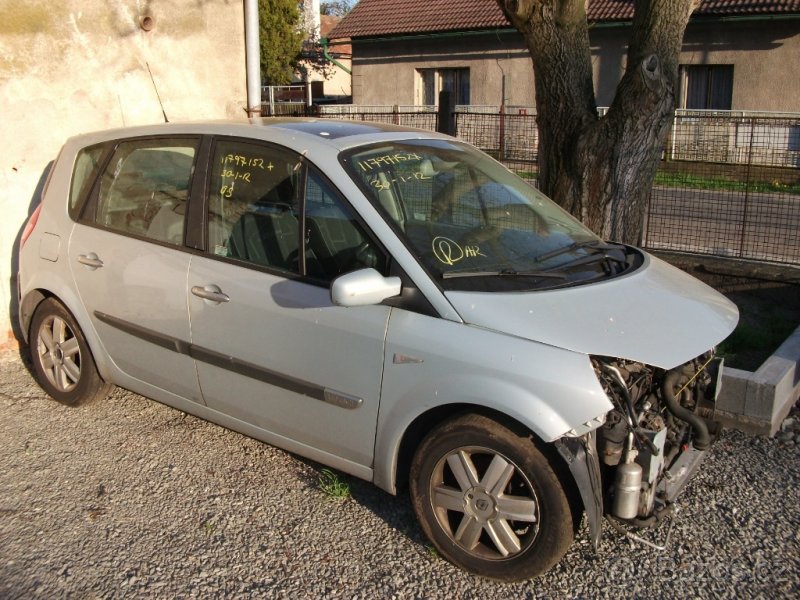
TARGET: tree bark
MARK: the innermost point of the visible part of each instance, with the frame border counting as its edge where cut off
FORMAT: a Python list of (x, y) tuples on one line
[(601, 169)]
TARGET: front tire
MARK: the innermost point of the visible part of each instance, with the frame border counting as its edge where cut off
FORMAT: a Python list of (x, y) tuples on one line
[(61, 357), (489, 500)]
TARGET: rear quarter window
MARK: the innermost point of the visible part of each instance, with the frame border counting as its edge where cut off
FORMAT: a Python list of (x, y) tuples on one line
[(83, 175)]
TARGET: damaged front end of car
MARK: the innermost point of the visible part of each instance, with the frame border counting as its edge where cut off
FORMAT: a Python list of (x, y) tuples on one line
[(633, 466)]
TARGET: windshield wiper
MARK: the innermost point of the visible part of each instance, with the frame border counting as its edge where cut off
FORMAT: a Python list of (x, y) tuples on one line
[(592, 244), (593, 258), (504, 273)]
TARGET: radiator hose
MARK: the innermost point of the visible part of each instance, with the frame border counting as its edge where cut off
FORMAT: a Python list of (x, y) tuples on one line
[(702, 439)]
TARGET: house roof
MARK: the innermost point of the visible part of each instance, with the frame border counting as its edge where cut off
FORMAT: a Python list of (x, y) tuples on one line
[(328, 23), (371, 18)]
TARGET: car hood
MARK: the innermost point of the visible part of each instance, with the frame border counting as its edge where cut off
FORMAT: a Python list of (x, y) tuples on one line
[(657, 315)]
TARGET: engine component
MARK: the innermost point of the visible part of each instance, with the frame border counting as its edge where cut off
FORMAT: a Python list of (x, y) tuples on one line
[(702, 438), (614, 431), (627, 488), (661, 420)]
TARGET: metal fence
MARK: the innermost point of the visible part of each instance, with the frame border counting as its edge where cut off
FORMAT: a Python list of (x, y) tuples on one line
[(728, 183), (729, 186), (407, 118)]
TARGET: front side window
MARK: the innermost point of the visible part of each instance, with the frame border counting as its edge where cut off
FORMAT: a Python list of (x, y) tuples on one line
[(473, 224), (337, 241), (254, 205), (267, 207), (144, 189)]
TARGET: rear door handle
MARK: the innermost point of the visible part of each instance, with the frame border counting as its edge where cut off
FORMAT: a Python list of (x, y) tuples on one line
[(90, 260), (210, 292)]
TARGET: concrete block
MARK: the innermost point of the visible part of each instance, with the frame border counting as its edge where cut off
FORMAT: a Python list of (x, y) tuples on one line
[(733, 392), (758, 402)]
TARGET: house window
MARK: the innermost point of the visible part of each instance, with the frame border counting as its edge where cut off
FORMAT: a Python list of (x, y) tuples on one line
[(708, 87), (432, 81)]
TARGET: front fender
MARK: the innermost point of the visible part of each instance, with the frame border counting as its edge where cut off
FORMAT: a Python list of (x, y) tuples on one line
[(432, 363)]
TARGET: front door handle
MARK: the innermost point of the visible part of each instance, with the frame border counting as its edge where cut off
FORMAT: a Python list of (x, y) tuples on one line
[(210, 292), (90, 260)]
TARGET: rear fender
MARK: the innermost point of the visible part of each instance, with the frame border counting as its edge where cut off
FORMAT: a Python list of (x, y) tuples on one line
[(54, 286)]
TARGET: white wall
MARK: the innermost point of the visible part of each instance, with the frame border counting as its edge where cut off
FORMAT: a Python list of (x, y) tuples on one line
[(71, 66)]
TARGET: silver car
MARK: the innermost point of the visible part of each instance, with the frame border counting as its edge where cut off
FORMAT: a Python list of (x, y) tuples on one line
[(387, 301)]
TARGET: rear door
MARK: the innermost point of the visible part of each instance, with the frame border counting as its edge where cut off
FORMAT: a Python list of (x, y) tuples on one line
[(130, 266), (272, 351)]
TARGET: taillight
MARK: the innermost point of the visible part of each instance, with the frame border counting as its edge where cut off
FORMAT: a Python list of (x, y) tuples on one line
[(29, 226)]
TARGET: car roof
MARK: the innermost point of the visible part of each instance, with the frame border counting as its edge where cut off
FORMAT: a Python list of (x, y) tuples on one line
[(292, 131)]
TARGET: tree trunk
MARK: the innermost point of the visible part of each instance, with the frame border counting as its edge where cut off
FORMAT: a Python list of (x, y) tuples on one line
[(601, 169)]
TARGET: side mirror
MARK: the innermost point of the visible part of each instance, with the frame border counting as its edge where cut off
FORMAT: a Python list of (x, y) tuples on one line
[(363, 288)]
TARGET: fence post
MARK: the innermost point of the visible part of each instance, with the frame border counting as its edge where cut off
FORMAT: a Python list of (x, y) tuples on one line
[(748, 170), (271, 100), (446, 121), (502, 148)]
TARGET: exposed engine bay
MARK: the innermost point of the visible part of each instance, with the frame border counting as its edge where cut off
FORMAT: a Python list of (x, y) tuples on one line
[(656, 435)]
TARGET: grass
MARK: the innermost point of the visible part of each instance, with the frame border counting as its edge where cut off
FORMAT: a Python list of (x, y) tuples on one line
[(748, 340), (332, 486), (527, 175), (699, 182), (209, 528)]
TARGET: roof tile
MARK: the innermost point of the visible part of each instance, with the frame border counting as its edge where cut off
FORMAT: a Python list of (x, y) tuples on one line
[(375, 18)]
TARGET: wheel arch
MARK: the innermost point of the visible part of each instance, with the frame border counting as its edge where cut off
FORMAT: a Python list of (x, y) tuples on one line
[(27, 307), (427, 421), (31, 301)]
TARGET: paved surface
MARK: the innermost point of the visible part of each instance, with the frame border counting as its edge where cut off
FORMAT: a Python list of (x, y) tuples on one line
[(759, 226), (130, 499)]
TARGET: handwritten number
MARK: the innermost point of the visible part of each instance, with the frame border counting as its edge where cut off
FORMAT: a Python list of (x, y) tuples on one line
[(226, 191)]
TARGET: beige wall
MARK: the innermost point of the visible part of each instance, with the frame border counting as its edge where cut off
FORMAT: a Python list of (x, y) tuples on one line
[(766, 59), (378, 80), (765, 55), (338, 82), (71, 66)]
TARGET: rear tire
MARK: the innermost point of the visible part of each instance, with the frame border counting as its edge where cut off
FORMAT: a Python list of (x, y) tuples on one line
[(62, 361), (489, 500)]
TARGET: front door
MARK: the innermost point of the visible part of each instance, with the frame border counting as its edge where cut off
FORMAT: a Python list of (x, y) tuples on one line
[(272, 351)]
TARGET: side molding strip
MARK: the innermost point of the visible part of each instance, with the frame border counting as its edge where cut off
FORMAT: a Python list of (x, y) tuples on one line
[(229, 363)]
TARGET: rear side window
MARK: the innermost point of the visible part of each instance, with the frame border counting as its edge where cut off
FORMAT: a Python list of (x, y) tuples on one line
[(144, 188), (83, 175)]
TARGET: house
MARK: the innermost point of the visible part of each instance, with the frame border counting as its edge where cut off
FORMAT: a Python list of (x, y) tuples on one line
[(82, 65), (736, 55)]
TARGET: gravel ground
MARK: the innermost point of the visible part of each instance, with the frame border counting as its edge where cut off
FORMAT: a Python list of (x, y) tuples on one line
[(130, 498)]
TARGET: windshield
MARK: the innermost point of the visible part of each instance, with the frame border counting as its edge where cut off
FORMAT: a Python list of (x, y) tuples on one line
[(475, 225)]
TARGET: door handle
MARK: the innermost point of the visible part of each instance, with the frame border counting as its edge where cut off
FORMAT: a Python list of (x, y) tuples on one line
[(90, 260), (210, 292)]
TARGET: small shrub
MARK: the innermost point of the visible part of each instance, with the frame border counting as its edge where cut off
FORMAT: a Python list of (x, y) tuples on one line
[(332, 485)]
